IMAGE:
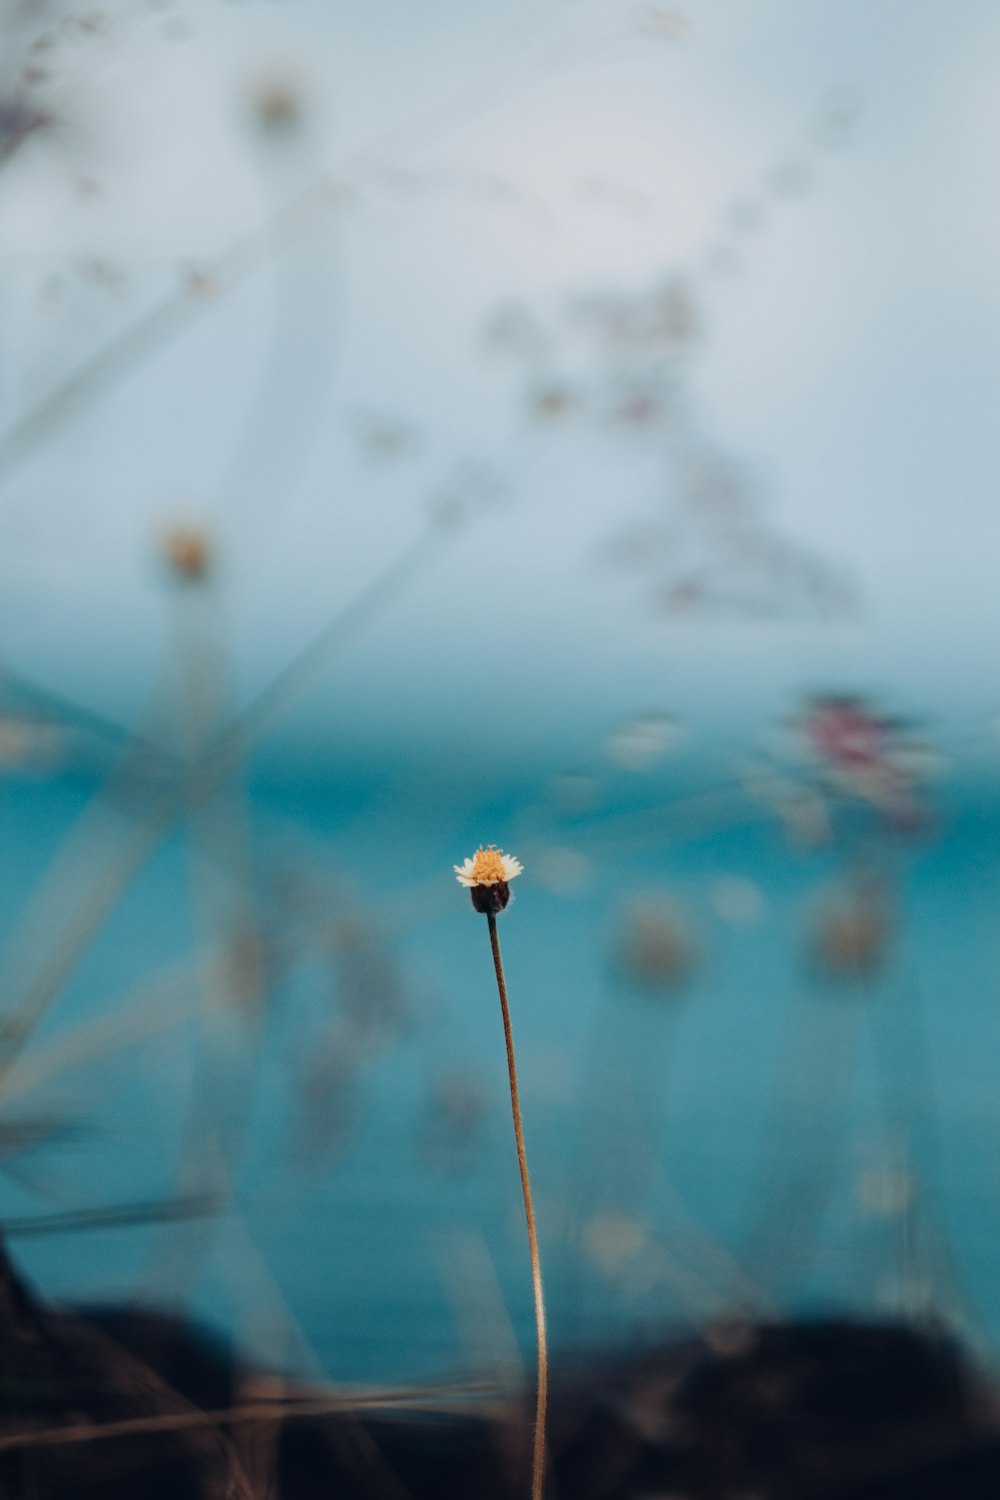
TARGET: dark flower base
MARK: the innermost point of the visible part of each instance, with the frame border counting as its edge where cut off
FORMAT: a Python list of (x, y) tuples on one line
[(490, 898)]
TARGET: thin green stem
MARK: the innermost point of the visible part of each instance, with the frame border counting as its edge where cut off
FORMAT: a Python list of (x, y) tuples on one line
[(538, 1456)]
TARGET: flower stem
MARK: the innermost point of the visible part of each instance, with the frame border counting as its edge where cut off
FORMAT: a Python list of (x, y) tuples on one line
[(538, 1458)]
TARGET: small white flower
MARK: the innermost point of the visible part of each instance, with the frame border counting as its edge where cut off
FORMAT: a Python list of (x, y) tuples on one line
[(488, 867)]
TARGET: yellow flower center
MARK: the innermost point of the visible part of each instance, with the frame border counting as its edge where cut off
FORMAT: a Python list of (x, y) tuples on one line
[(487, 866)]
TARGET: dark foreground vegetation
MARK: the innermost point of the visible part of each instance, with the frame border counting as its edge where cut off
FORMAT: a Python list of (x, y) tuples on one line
[(121, 1403)]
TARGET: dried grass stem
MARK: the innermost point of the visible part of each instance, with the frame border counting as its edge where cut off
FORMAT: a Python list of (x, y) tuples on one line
[(538, 1453)]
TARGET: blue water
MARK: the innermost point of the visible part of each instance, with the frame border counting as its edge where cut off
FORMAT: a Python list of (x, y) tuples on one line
[(724, 1145)]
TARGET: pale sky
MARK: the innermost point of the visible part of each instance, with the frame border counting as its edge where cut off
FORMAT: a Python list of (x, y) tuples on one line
[(822, 180)]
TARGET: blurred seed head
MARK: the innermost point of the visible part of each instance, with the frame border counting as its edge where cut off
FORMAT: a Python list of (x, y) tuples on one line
[(655, 948), (328, 1104), (663, 24), (448, 511), (864, 753), (805, 816), (885, 1194), (639, 546), (640, 743), (349, 932), (561, 870), (731, 1338), (837, 119), (277, 105), (846, 732), (198, 283), (451, 1132), (683, 596), (611, 1240), (737, 901), (20, 120), (790, 179), (249, 968), (851, 932), (675, 319), (512, 329), (551, 401), (641, 406), (385, 438), (28, 744), (573, 793), (624, 1252), (188, 553)]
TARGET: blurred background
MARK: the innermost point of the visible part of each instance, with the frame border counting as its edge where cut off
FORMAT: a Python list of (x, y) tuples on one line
[(567, 425)]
